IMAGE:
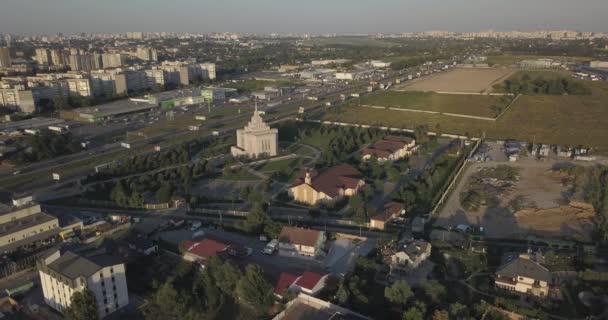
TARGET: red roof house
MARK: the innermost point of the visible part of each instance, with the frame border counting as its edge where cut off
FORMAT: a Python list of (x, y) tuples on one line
[(201, 250)]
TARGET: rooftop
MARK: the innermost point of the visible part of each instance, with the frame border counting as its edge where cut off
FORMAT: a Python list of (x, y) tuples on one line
[(204, 248), (309, 280), (72, 265), (332, 180), (301, 236), (524, 267)]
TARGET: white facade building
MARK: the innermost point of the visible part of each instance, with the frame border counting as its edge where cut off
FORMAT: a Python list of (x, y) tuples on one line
[(61, 275), (256, 139)]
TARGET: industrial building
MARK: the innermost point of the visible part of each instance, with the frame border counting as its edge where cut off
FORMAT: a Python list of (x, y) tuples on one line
[(22, 226)]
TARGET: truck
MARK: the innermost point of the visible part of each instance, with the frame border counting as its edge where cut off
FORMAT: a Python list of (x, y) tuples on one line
[(33, 132), (57, 129), (200, 118), (125, 145)]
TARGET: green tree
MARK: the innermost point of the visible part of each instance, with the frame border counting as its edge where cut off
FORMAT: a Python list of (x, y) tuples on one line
[(254, 291), (459, 311), (413, 313), (83, 306), (399, 293), (164, 193), (434, 290)]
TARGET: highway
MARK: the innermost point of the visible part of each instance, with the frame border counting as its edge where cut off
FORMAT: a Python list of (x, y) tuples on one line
[(227, 125)]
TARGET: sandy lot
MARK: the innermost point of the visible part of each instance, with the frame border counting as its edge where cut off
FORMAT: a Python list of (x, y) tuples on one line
[(460, 80), (545, 211)]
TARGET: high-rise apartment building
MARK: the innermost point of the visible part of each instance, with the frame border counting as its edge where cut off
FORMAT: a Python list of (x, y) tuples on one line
[(5, 57), (147, 54), (112, 60), (85, 62), (43, 56)]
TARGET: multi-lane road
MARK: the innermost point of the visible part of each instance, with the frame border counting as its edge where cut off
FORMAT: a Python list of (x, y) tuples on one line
[(42, 170)]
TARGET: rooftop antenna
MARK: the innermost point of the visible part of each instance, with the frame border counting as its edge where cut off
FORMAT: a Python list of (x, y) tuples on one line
[(256, 104)]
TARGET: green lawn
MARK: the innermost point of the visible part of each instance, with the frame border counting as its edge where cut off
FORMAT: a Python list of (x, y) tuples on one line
[(300, 150), (280, 165), (240, 175), (474, 105), (562, 120)]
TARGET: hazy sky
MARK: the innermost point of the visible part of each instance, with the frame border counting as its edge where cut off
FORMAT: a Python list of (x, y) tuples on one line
[(315, 16)]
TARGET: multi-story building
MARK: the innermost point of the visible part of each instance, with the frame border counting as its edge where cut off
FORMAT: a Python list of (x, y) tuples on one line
[(390, 148), (85, 62), (61, 275), (43, 56), (17, 99), (156, 78), (112, 60), (103, 84), (24, 226), (191, 73), (60, 57), (5, 57), (147, 54)]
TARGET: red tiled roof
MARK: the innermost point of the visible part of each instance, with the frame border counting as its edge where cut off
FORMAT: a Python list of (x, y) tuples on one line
[(390, 209), (301, 236), (204, 248), (285, 281), (309, 280), (406, 140), (376, 153), (330, 181), (387, 145)]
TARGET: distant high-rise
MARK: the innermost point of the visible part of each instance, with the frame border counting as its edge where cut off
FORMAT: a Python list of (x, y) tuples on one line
[(85, 62), (59, 57), (5, 57), (43, 56), (147, 54), (112, 60)]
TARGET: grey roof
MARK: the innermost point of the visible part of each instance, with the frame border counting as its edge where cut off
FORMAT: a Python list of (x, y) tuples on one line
[(72, 265), (522, 267)]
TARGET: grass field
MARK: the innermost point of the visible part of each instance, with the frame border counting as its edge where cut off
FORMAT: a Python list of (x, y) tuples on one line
[(348, 41), (509, 59), (475, 80), (475, 105), (562, 120)]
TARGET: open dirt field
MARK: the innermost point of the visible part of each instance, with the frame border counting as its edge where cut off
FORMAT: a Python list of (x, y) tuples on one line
[(543, 210), (476, 80)]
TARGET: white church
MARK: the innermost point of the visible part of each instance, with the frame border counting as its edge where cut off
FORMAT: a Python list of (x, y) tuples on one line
[(256, 139)]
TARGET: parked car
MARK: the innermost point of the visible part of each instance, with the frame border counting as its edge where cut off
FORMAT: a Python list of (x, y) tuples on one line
[(239, 251), (271, 247)]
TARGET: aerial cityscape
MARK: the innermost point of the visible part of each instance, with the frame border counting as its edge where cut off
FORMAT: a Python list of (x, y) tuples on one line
[(278, 160)]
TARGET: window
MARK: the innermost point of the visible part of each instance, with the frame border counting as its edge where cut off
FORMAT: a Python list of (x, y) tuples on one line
[(107, 310), (113, 280), (105, 301), (111, 270)]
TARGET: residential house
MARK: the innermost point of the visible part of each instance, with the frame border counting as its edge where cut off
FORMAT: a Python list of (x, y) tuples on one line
[(409, 257), (310, 283), (524, 274), (564, 152), (312, 187), (305, 307), (199, 251), (390, 211), (390, 148), (300, 242)]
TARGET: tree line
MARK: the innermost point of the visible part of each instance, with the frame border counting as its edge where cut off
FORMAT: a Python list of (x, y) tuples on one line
[(542, 85)]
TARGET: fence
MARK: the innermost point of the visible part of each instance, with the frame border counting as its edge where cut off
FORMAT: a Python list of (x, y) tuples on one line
[(455, 177)]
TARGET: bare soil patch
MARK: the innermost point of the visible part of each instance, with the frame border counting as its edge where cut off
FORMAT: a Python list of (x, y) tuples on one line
[(478, 80)]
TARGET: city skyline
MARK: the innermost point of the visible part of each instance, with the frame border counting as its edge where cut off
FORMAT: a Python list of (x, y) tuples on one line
[(266, 16)]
